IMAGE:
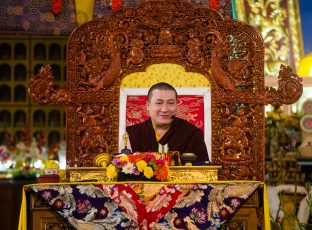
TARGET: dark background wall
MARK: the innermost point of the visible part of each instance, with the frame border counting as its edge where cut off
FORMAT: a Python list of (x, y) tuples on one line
[(306, 22)]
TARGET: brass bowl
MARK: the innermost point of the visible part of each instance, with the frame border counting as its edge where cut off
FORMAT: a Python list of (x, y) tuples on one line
[(188, 158), (102, 160)]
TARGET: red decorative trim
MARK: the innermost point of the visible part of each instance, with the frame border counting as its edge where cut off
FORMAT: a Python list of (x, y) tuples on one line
[(116, 4), (56, 6), (214, 4)]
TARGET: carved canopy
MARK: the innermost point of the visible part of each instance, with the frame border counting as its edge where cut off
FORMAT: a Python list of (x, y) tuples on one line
[(228, 52)]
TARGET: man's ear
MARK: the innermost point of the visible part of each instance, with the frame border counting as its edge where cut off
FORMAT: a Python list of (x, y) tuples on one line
[(147, 106)]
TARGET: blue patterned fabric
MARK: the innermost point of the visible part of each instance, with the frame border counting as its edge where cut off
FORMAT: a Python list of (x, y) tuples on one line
[(146, 206), (35, 17)]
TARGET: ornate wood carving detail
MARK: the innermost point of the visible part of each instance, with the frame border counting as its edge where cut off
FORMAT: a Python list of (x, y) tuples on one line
[(42, 90), (229, 53), (98, 61), (233, 224), (289, 88), (58, 226)]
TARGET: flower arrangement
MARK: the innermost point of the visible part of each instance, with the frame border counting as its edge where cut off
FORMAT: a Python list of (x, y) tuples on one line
[(279, 125), (145, 165), (24, 156), (51, 164), (277, 120), (51, 167)]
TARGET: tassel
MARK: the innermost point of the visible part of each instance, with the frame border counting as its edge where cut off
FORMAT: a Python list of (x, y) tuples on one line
[(116, 4), (214, 4), (56, 6)]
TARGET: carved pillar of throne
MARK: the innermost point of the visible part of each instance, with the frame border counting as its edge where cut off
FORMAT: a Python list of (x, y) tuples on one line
[(228, 53)]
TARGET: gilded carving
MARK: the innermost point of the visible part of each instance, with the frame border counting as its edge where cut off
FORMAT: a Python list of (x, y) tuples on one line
[(57, 226), (192, 175), (278, 21), (176, 173), (233, 225), (87, 174)]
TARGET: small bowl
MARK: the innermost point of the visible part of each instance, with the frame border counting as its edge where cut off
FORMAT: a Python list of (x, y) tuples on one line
[(188, 158), (102, 160)]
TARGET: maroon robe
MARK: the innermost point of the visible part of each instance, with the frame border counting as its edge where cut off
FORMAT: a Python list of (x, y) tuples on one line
[(181, 136)]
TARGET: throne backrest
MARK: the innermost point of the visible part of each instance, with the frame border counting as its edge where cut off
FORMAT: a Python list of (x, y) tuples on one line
[(229, 53)]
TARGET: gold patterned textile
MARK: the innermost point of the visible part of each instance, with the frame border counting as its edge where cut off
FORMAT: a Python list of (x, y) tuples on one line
[(171, 73)]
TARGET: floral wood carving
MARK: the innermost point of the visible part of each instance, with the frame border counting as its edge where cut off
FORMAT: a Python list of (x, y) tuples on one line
[(289, 88), (42, 90), (236, 151), (228, 52)]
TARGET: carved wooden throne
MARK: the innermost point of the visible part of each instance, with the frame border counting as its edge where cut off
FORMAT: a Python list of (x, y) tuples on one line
[(228, 52)]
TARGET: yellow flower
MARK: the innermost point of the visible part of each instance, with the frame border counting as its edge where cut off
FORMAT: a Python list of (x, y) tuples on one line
[(141, 165), (148, 172), (275, 116), (124, 158), (269, 114), (111, 172), (279, 110), (52, 164), (283, 115)]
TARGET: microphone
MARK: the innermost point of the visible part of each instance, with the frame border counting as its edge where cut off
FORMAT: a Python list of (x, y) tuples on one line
[(173, 116)]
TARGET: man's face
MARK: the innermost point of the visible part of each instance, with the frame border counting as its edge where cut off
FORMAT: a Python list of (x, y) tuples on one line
[(162, 107)]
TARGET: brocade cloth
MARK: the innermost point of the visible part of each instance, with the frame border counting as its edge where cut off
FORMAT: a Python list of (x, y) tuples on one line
[(146, 205)]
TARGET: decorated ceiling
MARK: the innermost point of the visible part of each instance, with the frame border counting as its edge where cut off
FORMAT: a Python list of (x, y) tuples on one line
[(61, 17)]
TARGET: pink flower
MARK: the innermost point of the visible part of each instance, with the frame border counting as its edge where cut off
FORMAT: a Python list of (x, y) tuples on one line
[(58, 204), (179, 223), (116, 160), (135, 171), (198, 215), (149, 156), (103, 212), (117, 200), (224, 213), (46, 195), (162, 191), (235, 203), (83, 206)]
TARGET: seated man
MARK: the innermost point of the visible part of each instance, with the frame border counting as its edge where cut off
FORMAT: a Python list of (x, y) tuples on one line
[(164, 128)]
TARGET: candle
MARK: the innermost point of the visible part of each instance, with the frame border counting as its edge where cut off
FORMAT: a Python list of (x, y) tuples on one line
[(159, 148), (166, 148)]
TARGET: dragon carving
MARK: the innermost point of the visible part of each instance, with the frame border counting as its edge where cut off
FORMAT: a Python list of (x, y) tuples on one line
[(229, 72), (42, 90), (289, 88), (102, 69)]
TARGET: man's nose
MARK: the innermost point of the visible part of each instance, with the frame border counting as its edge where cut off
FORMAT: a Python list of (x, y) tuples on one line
[(164, 108)]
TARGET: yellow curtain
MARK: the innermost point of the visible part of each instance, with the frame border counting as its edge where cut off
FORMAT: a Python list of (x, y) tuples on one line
[(84, 11)]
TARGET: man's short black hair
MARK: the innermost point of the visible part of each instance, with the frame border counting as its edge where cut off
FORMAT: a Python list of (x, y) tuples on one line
[(161, 86)]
